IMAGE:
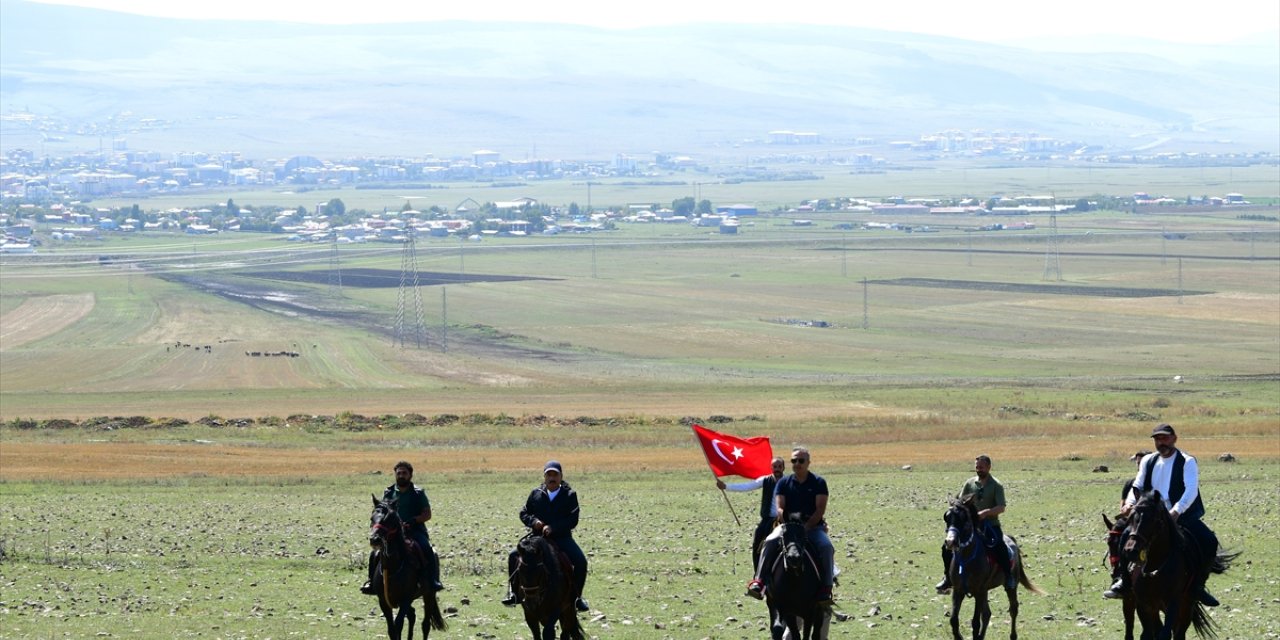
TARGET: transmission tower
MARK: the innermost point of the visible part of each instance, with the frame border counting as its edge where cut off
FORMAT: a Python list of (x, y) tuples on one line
[(408, 287), (1052, 262), (335, 268)]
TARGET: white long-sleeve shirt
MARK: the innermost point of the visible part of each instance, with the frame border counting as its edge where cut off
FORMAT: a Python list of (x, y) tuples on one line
[(752, 485), (1162, 473)]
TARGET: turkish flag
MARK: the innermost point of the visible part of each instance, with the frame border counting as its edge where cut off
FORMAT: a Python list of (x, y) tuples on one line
[(733, 456)]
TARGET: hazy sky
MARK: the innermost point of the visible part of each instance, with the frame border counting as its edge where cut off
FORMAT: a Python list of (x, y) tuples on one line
[(1190, 21)]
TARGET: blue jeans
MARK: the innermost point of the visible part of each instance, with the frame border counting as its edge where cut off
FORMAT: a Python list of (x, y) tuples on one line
[(824, 553)]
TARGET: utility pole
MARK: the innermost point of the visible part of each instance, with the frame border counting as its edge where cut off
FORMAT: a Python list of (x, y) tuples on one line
[(335, 268), (844, 255), (444, 320), (593, 259), (1052, 261), (408, 286), (865, 315)]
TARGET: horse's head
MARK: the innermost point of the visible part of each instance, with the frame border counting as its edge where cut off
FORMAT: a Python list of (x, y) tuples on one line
[(794, 540), (960, 518), (534, 562), (1149, 523), (384, 523)]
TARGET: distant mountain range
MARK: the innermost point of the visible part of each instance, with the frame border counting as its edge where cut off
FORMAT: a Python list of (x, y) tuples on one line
[(272, 89)]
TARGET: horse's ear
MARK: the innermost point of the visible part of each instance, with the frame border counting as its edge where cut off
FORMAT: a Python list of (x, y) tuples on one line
[(375, 499), (1108, 522)]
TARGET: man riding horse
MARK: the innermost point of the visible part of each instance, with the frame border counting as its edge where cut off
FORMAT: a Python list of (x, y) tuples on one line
[(414, 509), (804, 493), (551, 511), (988, 497), (1176, 476)]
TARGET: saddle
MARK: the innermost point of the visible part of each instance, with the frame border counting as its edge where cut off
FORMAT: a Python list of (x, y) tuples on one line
[(562, 559)]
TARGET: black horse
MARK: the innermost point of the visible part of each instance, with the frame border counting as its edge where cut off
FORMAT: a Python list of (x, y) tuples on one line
[(544, 580), (793, 594), (1166, 572), (972, 573), (402, 580)]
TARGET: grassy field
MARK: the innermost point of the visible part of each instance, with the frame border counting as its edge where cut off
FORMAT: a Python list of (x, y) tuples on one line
[(191, 555), (249, 521), (683, 325)]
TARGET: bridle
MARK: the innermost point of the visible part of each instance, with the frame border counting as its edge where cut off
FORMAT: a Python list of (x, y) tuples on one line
[(532, 592), (1137, 544)]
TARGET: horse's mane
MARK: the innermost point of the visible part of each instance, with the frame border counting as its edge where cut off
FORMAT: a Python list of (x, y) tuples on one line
[(1151, 503), (545, 550)]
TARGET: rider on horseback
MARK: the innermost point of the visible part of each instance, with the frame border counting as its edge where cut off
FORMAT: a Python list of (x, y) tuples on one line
[(988, 497), (551, 511), (414, 509), (804, 493), (1176, 476)]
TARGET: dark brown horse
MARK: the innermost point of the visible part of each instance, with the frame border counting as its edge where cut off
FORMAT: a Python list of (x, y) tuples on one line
[(793, 592), (1115, 540), (544, 580), (1165, 572), (403, 580), (972, 573)]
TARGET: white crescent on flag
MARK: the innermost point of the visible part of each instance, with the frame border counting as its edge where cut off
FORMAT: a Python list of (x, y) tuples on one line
[(737, 452)]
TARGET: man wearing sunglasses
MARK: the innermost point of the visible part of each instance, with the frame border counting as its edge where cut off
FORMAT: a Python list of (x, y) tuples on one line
[(988, 497), (551, 511), (804, 493)]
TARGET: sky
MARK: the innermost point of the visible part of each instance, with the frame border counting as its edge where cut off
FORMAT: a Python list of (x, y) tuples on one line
[(1179, 21)]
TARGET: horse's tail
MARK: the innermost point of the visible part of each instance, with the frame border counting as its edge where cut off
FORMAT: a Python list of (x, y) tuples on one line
[(432, 613), (1204, 625), (1222, 561), (1022, 576)]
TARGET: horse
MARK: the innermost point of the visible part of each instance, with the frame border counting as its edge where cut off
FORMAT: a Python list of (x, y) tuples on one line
[(1115, 538), (972, 573), (544, 580), (402, 581), (793, 594), (1165, 572)]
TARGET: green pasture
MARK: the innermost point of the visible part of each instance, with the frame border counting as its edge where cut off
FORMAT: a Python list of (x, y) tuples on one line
[(192, 557), (707, 322), (1257, 182)]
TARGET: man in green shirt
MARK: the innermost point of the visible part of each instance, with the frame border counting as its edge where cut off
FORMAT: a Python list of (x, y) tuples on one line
[(988, 497), (414, 509)]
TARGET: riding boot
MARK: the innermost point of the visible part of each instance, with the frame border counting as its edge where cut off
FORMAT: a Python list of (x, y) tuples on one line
[(434, 561), (945, 585), (1118, 589), (1207, 598), (367, 588)]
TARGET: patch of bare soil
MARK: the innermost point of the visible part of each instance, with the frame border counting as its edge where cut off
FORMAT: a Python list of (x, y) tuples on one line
[(380, 278), (43, 316), (298, 302)]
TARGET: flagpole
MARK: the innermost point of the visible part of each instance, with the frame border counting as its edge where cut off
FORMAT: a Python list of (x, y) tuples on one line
[(714, 477)]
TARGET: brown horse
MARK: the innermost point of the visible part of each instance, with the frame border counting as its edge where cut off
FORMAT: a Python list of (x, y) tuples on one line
[(402, 580), (1165, 572), (544, 580), (973, 574)]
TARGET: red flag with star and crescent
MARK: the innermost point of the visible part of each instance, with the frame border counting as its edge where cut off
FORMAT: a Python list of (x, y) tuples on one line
[(733, 456)]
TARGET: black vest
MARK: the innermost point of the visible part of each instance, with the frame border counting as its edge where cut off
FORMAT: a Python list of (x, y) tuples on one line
[(766, 497), (1177, 482)]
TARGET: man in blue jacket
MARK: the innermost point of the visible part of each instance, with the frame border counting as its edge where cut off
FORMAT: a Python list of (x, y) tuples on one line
[(551, 511)]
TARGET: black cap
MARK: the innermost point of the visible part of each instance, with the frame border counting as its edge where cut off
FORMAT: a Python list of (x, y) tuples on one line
[(1163, 430), (552, 465)]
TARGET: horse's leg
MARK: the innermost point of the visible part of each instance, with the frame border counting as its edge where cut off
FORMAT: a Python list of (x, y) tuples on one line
[(1128, 614), (957, 597), (1013, 613), (387, 615), (413, 618), (981, 614), (777, 630)]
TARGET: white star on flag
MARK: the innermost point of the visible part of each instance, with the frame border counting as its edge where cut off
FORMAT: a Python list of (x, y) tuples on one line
[(737, 452)]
